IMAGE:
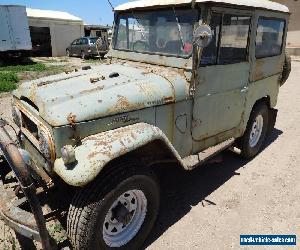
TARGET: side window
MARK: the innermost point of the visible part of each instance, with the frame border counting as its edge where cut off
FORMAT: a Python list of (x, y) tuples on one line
[(83, 41), (210, 53), (269, 37), (230, 40), (121, 42), (234, 39)]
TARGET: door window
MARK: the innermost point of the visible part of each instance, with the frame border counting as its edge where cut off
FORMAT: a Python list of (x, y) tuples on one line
[(210, 53), (269, 37), (83, 41), (234, 39), (230, 40)]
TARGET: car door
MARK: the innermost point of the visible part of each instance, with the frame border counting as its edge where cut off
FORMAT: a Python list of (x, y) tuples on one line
[(74, 47), (84, 45), (223, 76)]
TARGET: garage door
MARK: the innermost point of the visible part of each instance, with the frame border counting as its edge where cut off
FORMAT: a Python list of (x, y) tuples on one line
[(41, 41)]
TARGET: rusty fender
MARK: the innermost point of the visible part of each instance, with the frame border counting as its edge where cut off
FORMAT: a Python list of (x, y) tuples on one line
[(98, 150)]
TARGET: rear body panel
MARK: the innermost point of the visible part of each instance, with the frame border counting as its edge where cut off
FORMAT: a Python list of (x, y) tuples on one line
[(14, 32)]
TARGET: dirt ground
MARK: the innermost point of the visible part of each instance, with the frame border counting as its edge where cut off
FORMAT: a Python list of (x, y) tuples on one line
[(210, 207)]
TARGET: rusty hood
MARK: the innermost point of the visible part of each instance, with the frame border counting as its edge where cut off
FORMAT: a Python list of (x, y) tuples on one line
[(103, 90)]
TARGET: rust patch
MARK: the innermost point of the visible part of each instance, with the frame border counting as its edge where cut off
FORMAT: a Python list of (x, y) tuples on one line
[(169, 99), (71, 119), (258, 73), (87, 91)]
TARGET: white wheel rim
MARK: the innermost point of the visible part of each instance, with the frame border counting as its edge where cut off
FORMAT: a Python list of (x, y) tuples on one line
[(256, 131), (117, 233)]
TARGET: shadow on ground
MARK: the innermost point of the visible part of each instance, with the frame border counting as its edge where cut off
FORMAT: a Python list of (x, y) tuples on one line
[(181, 190), (17, 61)]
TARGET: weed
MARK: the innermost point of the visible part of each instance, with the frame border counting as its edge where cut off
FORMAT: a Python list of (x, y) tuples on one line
[(8, 81), (25, 67)]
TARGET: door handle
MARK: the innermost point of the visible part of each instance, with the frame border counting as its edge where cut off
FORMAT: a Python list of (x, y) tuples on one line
[(244, 90)]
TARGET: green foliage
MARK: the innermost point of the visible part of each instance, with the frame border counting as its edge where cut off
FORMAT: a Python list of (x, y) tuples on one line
[(25, 67), (8, 81)]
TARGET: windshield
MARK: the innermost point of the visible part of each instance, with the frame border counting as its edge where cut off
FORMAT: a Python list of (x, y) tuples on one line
[(156, 32)]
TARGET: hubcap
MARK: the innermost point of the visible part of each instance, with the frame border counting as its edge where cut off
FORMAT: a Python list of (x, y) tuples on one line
[(124, 218), (256, 131)]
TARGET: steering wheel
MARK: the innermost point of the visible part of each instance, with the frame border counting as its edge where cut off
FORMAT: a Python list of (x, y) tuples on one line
[(161, 43), (140, 42)]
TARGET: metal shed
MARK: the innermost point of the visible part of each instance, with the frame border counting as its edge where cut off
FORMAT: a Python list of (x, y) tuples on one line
[(53, 31)]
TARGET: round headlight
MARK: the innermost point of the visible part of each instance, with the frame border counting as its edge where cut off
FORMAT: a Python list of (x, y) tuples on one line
[(68, 154), (44, 144), (17, 117)]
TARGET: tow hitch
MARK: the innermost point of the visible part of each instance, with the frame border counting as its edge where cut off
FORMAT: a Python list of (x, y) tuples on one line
[(31, 225)]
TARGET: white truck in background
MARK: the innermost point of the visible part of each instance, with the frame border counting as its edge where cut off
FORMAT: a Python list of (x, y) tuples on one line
[(15, 40)]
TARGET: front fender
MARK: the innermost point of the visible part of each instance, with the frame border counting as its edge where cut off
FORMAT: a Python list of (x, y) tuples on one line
[(98, 150)]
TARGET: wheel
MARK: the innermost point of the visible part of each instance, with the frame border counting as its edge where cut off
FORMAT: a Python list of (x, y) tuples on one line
[(68, 53), (116, 211), (83, 55), (252, 141), (287, 68)]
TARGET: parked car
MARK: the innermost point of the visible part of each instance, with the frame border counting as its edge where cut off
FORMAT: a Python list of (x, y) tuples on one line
[(88, 47), (15, 38), (185, 80)]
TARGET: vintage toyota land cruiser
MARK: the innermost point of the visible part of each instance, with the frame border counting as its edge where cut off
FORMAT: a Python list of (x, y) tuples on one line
[(184, 80)]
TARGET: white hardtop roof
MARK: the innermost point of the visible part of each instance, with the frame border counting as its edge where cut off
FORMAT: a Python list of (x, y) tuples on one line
[(51, 14), (264, 4)]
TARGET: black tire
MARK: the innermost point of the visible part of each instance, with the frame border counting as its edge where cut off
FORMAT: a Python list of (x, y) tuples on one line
[(248, 151), (83, 56), (287, 68), (90, 206), (68, 53)]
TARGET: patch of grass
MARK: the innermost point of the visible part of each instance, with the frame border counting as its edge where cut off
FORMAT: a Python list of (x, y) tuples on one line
[(57, 232), (8, 81), (37, 67)]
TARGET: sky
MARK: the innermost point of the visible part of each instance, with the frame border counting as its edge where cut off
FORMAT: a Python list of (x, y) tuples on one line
[(91, 11)]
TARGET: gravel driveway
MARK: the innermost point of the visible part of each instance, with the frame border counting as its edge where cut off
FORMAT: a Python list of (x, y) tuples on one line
[(210, 207)]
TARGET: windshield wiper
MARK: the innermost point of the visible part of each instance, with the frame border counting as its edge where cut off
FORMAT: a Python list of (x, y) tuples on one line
[(179, 28)]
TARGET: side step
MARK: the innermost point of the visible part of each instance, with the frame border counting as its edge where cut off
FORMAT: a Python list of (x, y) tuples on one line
[(194, 161)]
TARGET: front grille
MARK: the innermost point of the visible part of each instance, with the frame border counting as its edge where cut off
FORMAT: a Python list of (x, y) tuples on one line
[(30, 126)]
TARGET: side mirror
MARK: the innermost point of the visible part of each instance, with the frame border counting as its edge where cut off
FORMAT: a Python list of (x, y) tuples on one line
[(202, 36)]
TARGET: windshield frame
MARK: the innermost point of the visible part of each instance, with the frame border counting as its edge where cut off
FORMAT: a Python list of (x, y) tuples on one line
[(131, 12)]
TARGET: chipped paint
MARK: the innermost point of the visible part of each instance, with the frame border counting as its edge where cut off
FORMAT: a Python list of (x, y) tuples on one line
[(132, 90), (97, 150)]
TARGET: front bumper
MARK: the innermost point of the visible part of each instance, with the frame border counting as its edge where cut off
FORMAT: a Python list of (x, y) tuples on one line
[(31, 225)]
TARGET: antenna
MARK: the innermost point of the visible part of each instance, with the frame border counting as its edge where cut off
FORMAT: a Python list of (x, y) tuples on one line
[(111, 5)]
